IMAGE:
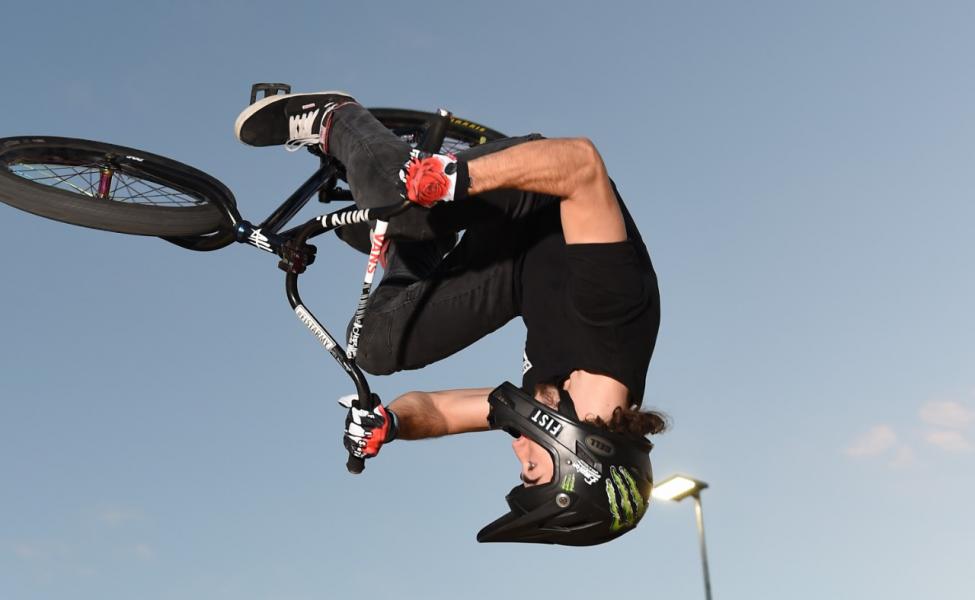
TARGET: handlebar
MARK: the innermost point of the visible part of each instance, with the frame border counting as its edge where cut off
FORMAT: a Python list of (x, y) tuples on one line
[(436, 132), (315, 227), (431, 141)]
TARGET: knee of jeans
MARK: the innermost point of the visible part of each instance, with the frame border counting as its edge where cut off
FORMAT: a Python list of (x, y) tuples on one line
[(375, 361), (374, 356)]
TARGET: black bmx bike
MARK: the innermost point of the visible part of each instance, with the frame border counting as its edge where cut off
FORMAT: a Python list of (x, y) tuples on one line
[(114, 188)]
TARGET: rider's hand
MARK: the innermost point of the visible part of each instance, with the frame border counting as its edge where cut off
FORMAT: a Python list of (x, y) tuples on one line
[(366, 431), (430, 178)]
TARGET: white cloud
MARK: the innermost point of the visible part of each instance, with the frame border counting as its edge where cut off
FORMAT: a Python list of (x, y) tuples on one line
[(903, 457), (949, 441), (873, 442), (143, 551), (118, 516), (947, 414), (945, 424), (27, 551), (40, 550)]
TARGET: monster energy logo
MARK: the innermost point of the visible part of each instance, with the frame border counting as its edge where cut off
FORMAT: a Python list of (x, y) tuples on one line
[(628, 506), (569, 482)]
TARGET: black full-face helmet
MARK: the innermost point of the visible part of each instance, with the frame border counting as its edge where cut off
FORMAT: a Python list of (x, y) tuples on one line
[(600, 486)]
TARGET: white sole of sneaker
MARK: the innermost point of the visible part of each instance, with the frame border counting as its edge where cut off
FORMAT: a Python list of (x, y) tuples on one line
[(253, 108)]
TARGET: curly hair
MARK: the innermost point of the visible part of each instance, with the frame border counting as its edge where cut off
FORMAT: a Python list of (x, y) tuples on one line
[(626, 421), (632, 421)]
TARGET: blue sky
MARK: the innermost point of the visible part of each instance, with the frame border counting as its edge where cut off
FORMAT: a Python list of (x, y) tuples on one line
[(802, 174)]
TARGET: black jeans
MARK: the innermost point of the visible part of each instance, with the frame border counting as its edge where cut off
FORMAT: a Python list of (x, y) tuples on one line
[(473, 291)]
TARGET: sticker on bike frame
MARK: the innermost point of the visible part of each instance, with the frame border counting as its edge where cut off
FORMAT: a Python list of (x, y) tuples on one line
[(305, 317), (345, 218), (259, 240), (376, 237), (360, 312), (375, 252)]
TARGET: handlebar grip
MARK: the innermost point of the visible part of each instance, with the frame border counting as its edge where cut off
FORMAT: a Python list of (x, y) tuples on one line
[(355, 465), (436, 132)]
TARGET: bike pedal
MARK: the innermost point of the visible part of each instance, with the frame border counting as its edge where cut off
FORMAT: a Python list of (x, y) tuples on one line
[(269, 89)]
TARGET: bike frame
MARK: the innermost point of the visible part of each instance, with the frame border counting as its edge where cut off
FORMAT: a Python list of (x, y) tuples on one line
[(291, 246)]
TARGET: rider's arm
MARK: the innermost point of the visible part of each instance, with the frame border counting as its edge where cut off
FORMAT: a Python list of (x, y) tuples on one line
[(432, 414), (568, 168)]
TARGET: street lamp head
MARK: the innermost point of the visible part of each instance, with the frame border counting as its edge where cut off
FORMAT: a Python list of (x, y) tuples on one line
[(677, 487)]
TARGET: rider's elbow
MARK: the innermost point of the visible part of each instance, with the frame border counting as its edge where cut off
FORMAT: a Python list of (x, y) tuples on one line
[(588, 164)]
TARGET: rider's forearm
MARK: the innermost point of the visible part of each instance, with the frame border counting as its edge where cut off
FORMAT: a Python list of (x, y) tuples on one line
[(570, 169), (557, 167), (423, 415)]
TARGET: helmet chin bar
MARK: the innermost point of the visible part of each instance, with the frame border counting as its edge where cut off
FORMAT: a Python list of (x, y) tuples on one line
[(600, 485)]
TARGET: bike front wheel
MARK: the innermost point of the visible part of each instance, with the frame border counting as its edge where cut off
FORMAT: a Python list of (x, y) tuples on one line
[(109, 187)]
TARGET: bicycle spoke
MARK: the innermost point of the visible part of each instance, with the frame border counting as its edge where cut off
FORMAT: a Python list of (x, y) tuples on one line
[(149, 192), (85, 179), (450, 144), (60, 179), (88, 179), (122, 186), (81, 173)]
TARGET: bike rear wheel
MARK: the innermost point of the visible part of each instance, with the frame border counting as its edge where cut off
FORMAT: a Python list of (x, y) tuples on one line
[(109, 187), (410, 125)]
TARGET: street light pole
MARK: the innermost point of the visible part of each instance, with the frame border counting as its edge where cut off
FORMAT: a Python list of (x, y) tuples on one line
[(675, 488), (699, 513)]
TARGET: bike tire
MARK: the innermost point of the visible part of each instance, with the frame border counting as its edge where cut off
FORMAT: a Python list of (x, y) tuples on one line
[(411, 124), (145, 194)]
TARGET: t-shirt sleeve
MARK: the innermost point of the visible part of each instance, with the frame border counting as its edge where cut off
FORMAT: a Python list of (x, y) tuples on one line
[(607, 283)]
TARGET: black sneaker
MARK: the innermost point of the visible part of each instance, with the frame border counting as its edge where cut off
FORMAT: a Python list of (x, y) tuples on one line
[(292, 119)]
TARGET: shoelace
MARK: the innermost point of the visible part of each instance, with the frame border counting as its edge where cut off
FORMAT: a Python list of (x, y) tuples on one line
[(301, 127)]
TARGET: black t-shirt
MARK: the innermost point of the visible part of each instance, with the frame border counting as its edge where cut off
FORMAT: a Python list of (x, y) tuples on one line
[(594, 307)]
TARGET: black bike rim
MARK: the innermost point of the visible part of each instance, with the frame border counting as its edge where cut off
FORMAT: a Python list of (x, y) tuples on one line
[(126, 179)]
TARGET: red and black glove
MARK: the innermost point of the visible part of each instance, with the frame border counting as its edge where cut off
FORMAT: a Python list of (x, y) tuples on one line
[(430, 178), (366, 431)]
